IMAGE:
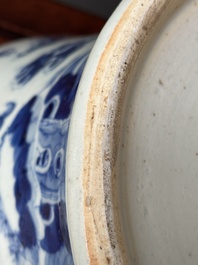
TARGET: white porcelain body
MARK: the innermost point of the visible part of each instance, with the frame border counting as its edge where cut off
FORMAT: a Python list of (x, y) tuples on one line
[(131, 159), (137, 167)]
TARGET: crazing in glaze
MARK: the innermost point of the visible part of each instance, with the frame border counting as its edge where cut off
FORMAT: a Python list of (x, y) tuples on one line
[(41, 84)]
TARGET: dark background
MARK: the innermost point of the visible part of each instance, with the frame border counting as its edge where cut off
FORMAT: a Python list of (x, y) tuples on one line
[(101, 8), (30, 18)]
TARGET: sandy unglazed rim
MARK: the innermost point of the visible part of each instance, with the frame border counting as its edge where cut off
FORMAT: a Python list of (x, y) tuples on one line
[(131, 37)]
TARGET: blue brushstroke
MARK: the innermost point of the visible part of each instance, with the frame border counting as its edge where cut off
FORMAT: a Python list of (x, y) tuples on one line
[(66, 88), (19, 126), (38, 44), (50, 60), (18, 129), (48, 126), (7, 52), (53, 240), (9, 108)]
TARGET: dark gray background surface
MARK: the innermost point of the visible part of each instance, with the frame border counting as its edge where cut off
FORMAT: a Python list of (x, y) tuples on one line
[(101, 8)]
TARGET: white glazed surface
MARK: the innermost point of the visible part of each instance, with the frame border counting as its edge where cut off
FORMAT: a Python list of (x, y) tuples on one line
[(159, 149), (149, 185), (75, 146)]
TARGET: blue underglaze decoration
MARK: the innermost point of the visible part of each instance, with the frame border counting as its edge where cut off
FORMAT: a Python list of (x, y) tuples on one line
[(29, 71), (6, 52), (9, 108), (35, 45), (38, 44), (68, 69), (34, 134), (48, 60)]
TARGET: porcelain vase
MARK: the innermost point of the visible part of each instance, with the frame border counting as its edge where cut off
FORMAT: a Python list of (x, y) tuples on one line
[(39, 80), (98, 142)]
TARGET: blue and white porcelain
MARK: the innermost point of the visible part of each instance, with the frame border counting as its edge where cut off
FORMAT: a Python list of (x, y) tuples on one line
[(109, 176), (38, 83)]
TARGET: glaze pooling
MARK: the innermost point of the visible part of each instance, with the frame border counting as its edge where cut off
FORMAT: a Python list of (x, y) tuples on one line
[(34, 127)]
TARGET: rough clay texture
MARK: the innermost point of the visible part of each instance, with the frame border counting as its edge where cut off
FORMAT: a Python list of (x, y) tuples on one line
[(126, 45)]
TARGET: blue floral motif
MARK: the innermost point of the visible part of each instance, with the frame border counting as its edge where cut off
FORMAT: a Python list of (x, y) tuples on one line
[(33, 133)]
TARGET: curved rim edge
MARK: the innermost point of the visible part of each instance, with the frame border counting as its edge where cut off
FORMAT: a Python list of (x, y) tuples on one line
[(91, 184)]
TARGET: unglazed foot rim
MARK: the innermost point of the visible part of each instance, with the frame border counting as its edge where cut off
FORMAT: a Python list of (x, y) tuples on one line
[(101, 96)]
